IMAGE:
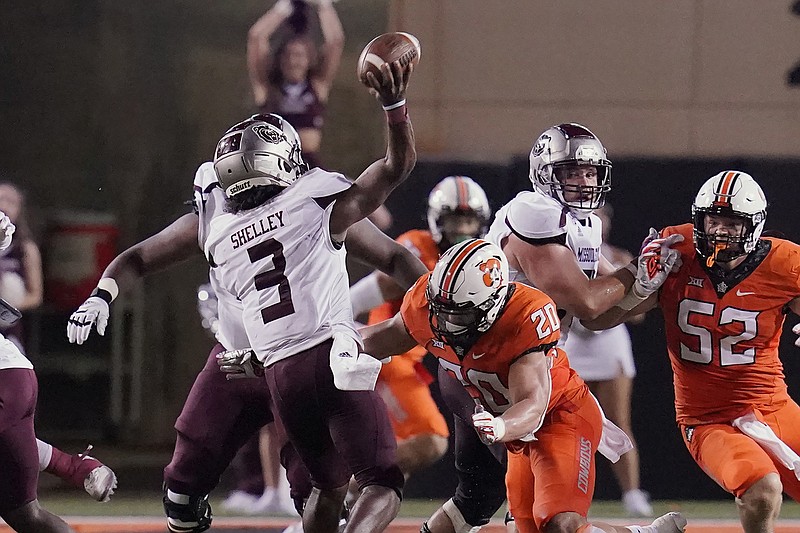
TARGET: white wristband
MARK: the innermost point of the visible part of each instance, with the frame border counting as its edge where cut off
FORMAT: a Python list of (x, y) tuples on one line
[(109, 285), (499, 428), (631, 299), (366, 294), (395, 105)]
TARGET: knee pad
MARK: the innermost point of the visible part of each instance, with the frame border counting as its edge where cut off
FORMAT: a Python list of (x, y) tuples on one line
[(459, 521), (187, 514)]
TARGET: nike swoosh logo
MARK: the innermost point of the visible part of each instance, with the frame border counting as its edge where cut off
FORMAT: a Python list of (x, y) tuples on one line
[(478, 356), (740, 293)]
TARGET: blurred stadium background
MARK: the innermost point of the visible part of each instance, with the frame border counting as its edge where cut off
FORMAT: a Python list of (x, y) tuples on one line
[(108, 106)]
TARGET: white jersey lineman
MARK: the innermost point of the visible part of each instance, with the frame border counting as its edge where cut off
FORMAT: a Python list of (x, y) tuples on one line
[(280, 262), (540, 219), (209, 202)]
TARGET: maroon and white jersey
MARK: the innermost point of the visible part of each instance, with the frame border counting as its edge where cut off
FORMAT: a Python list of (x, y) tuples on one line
[(280, 261), (539, 219)]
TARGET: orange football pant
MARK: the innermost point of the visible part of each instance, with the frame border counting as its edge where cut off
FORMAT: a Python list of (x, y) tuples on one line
[(408, 399), (555, 473), (735, 461)]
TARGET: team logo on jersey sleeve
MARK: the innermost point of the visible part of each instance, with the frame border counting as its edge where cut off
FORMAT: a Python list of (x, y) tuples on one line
[(492, 275)]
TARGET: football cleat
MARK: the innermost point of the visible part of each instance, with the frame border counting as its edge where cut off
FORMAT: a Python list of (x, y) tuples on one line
[(669, 523)]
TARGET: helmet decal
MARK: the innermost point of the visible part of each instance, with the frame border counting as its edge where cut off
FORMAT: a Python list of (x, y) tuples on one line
[(268, 133), (492, 275)]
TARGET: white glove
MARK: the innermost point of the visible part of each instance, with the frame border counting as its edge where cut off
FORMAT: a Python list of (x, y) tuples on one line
[(94, 311), (490, 428), (796, 331), (656, 261), (8, 229), (239, 364)]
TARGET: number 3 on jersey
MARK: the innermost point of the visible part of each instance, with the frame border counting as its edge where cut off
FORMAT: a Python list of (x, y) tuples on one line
[(274, 277)]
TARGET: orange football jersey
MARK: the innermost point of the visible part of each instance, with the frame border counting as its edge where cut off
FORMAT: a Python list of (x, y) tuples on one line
[(723, 330), (421, 244), (528, 321)]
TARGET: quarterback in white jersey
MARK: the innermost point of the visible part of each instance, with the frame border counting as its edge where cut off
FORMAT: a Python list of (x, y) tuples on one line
[(282, 263), (219, 414), (279, 250)]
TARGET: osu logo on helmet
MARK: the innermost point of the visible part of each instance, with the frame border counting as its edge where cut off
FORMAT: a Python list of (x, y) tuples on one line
[(492, 273)]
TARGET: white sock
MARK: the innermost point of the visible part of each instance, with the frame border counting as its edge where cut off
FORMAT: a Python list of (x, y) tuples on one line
[(45, 454)]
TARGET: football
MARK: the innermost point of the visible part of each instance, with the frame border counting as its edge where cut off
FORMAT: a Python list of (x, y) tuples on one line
[(387, 48)]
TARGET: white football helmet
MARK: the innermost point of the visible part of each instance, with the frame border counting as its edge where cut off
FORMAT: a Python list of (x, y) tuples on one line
[(262, 150), (457, 195), (467, 290), (731, 193), (566, 145)]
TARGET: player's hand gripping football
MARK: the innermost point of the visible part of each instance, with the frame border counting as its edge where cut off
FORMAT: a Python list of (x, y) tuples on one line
[(656, 261), (93, 312), (7, 228), (239, 364), (490, 428), (796, 331), (390, 89)]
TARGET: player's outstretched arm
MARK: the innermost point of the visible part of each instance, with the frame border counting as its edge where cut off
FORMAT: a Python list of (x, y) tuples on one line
[(173, 244), (387, 338), (371, 246), (617, 315), (553, 269), (529, 388), (373, 186)]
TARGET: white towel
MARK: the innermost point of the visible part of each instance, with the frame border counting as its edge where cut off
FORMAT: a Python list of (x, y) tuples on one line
[(760, 432), (613, 441), (351, 369)]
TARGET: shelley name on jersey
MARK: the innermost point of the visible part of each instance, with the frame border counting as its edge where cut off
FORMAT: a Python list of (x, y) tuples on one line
[(263, 225)]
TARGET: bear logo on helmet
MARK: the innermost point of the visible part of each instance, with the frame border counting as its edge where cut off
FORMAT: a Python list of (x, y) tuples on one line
[(269, 134), (540, 144)]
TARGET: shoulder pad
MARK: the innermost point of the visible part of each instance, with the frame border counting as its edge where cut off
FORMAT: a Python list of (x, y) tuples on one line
[(317, 183), (205, 178), (536, 216)]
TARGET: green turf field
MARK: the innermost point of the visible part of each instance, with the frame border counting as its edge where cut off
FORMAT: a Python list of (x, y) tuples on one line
[(149, 504)]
